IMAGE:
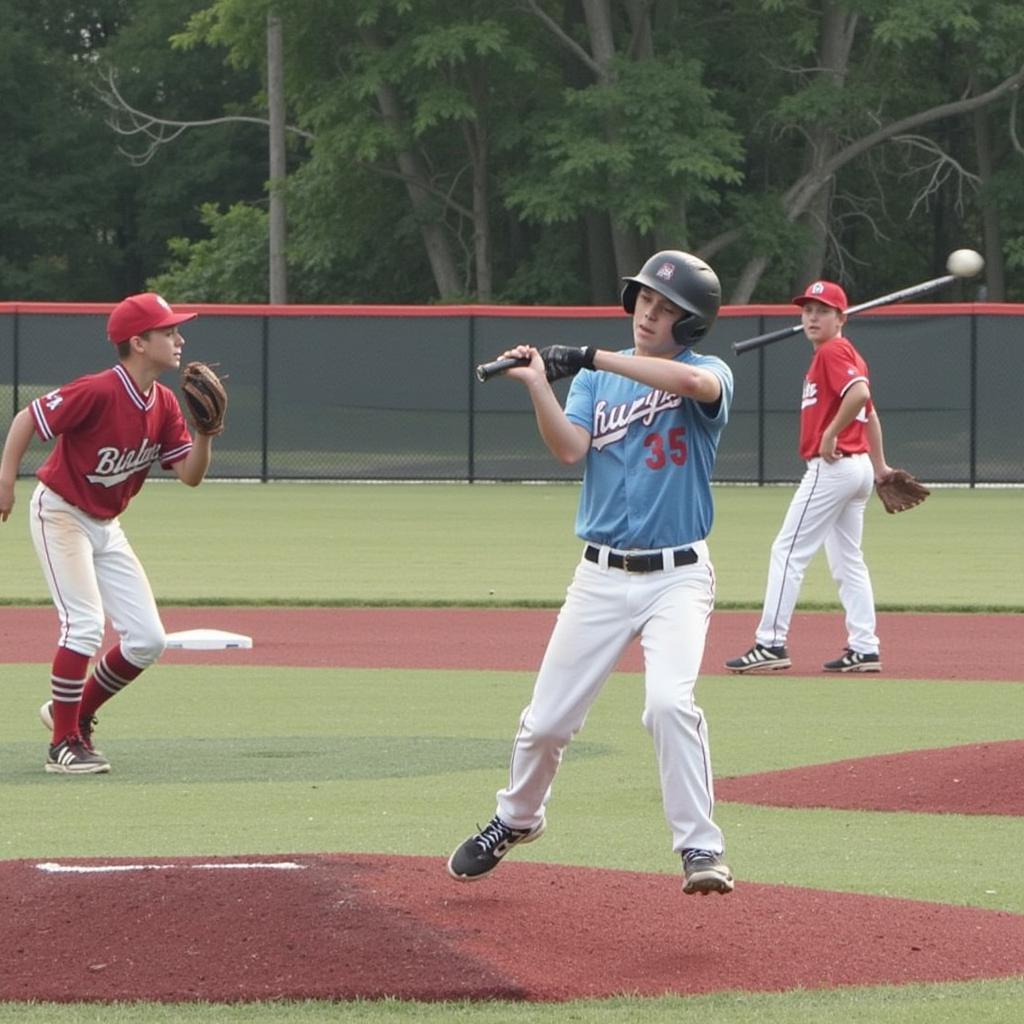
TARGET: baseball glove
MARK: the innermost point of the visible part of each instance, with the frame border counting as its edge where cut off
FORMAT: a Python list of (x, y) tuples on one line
[(900, 491), (566, 360), (205, 397)]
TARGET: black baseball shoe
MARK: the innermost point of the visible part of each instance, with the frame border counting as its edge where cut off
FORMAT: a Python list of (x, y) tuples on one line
[(704, 872), (72, 757), (760, 659), (482, 853), (854, 661), (85, 726)]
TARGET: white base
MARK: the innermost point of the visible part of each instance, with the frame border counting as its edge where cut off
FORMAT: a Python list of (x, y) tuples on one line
[(206, 640)]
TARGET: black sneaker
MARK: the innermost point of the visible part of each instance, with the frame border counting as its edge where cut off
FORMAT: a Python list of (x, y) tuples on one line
[(481, 853), (760, 659), (72, 757), (85, 726), (704, 872), (854, 661)]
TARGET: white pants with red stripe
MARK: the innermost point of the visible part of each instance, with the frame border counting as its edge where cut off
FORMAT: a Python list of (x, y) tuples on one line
[(827, 509), (604, 610), (92, 572)]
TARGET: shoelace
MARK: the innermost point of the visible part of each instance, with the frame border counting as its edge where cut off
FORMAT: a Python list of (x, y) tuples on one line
[(691, 855), (493, 834)]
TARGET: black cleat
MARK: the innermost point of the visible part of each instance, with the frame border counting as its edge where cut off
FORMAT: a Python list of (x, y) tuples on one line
[(854, 661), (760, 659), (482, 853), (72, 757)]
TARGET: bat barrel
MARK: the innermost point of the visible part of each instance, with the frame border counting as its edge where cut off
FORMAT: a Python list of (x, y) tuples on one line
[(924, 288)]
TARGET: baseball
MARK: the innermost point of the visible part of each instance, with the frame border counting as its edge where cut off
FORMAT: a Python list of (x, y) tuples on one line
[(964, 262)]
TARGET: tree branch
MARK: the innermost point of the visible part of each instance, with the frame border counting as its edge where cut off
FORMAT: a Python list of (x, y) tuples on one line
[(942, 166), (803, 190), (566, 40), (799, 195), (1013, 124), (161, 131), (158, 130)]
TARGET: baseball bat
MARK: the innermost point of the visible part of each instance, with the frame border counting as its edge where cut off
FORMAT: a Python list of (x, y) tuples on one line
[(884, 300), (485, 371)]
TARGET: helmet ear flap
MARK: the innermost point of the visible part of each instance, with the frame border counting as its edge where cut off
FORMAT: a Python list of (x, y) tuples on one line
[(629, 294), (685, 332)]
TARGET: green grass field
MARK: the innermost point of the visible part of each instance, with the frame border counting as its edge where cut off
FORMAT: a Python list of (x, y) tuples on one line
[(329, 760), (456, 544)]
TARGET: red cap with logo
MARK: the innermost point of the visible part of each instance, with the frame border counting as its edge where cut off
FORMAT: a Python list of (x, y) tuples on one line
[(826, 292), (140, 313)]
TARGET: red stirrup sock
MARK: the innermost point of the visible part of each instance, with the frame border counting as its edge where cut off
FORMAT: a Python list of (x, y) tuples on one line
[(67, 678), (113, 672)]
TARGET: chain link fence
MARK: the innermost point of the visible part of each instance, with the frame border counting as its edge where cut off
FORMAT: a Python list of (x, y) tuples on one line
[(383, 393)]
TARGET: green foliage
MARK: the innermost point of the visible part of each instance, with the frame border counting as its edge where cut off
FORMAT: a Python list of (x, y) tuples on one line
[(226, 267), (644, 146), (470, 120), (58, 180), (924, 21)]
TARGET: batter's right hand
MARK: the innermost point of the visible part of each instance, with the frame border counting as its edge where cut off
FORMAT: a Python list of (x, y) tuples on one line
[(524, 373)]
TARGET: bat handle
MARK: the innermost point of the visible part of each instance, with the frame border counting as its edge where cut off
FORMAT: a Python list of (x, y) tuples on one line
[(485, 371)]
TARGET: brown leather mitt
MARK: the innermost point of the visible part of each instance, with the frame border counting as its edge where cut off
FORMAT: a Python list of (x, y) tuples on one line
[(900, 491), (205, 397)]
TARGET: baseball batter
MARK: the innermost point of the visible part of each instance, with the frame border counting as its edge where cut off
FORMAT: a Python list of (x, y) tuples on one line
[(647, 420), (841, 441), (110, 429)]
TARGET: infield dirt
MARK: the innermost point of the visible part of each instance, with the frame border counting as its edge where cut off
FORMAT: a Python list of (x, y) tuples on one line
[(346, 926)]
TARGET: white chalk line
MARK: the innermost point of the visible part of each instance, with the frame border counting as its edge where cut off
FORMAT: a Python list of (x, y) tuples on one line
[(53, 868)]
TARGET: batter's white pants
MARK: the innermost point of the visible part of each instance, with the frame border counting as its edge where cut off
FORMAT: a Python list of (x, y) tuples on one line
[(92, 571), (827, 509), (603, 611)]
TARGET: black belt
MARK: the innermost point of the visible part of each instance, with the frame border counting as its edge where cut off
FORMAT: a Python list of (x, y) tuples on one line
[(641, 563)]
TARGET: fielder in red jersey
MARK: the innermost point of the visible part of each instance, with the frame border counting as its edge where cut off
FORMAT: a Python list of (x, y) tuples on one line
[(841, 442), (110, 429)]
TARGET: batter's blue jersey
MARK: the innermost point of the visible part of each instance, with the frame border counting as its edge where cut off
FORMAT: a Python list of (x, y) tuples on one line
[(647, 482)]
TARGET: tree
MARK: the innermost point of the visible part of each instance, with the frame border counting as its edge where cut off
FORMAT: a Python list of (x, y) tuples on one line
[(878, 77), (636, 134), (536, 151)]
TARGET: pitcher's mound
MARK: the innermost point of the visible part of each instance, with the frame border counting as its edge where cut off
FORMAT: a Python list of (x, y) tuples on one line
[(978, 778), (342, 927)]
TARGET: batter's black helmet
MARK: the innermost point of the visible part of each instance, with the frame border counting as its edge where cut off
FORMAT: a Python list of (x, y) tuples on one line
[(685, 280)]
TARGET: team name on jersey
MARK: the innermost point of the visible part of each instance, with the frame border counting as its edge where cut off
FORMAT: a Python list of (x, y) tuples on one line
[(115, 465), (612, 422), (810, 395)]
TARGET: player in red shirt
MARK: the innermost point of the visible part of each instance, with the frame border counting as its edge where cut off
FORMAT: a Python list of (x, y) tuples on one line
[(841, 441), (110, 428)]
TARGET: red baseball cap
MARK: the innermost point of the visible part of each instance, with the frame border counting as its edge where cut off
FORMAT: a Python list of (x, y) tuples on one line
[(826, 292), (140, 313)]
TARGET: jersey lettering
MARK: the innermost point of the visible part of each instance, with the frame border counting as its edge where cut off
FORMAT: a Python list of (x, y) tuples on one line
[(810, 395), (53, 399), (114, 466), (612, 423)]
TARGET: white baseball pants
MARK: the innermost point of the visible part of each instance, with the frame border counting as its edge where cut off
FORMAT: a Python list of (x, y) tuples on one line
[(603, 611), (827, 509), (92, 571)]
